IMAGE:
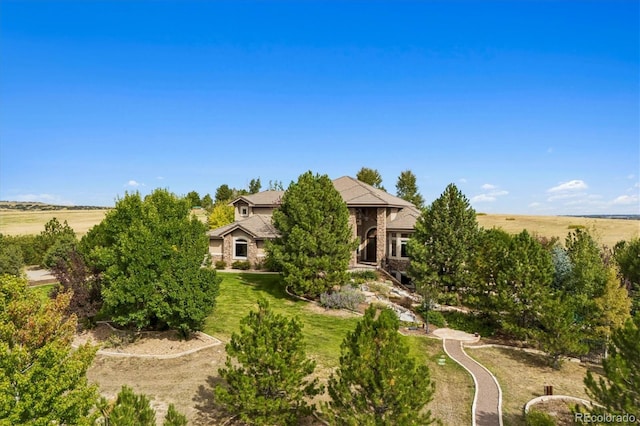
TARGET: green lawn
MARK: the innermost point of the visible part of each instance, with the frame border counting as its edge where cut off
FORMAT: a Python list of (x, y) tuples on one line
[(324, 332), (43, 291)]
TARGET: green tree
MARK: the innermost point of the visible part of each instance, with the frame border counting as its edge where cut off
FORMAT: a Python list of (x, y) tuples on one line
[(524, 282), (221, 215), (54, 231), (370, 176), (613, 306), (407, 189), (316, 240), (207, 202), (619, 390), (627, 256), (150, 253), (276, 185), (42, 378), (377, 381), (194, 199), (441, 247), (131, 409), (254, 186), (559, 334), (224, 194), (268, 383), (11, 260), (563, 268)]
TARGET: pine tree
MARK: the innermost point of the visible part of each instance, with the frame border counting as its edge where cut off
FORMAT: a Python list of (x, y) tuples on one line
[(619, 390), (407, 189), (316, 240), (377, 381), (254, 186), (441, 247), (268, 382), (371, 177), (132, 409)]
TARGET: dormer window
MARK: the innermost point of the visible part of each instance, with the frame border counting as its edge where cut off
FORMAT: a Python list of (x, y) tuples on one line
[(244, 211)]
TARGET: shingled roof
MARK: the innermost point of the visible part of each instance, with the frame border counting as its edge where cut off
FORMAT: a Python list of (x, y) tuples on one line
[(258, 226), (261, 199), (404, 220), (356, 194)]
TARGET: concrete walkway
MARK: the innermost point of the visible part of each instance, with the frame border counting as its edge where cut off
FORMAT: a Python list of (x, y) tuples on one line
[(487, 401)]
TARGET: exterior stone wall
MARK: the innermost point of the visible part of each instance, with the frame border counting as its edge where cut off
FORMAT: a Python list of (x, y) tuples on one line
[(354, 228), (381, 243), (397, 264)]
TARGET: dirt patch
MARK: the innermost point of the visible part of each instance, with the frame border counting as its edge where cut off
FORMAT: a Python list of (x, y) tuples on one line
[(340, 313), (146, 343)]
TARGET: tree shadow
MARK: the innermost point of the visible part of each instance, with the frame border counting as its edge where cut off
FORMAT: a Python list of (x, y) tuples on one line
[(207, 411), (271, 284)]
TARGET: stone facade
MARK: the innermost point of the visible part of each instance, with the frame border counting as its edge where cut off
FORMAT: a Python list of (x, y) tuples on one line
[(354, 228), (381, 242)]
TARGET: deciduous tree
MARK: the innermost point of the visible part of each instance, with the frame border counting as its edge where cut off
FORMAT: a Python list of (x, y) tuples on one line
[(221, 214), (11, 260), (150, 254), (613, 306), (254, 186), (268, 383), (316, 240), (370, 176), (42, 378), (445, 237), (407, 189), (377, 381)]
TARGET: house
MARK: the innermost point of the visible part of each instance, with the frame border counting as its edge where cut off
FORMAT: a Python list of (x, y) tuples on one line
[(381, 223)]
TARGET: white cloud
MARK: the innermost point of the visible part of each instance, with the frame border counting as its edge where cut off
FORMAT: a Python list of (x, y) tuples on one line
[(462, 180), (535, 204), (626, 200), (566, 195), (482, 198), (488, 186), (132, 183), (498, 193), (572, 185), (160, 177)]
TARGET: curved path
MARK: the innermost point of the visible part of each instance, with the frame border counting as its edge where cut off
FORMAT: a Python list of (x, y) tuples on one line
[(487, 401)]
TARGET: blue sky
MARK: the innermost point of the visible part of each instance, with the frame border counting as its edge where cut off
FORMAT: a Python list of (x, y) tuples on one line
[(529, 107)]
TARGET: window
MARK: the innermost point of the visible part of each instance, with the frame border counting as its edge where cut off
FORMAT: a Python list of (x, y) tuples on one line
[(403, 248), (241, 248), (244, 211), (394, 246)]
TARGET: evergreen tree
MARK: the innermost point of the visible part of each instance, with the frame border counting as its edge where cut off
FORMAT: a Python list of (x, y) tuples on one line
[(132, 409), (316, 240), (275, 185), (207, 202), (224, 194), (524, 282), (194, 199), (407, 189), (377, 381), (370, 176), (254, 186), (150, 254), (268, 382), (11, 259), (562, 267), (627, 256), (619, 390), (441, 247), (559, 334), (42, 378)]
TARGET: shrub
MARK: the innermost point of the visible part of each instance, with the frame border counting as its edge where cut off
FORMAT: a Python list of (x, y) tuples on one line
[(379, 288), (364, 276), (576, 227), (220, 264), (259, 265), (510, 218), (539, 418), (241, 264), (450, 299), (436, 318), (470, 323), (346, 298)]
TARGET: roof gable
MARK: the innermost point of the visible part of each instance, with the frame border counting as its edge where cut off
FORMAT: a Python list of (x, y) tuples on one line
[(356, 193)]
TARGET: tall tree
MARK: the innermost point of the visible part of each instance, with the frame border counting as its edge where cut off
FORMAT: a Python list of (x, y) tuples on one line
[(440, 250), (370, 176), (254, 186), (627, 255), (194, 199), (377, 381), (524, 282), (224, 194), (275, 185), (613, 306), (619, 390), (268, 383), (54, 232), (221, 214), (207, 202), (407, 189), (11, 259), (150, 254), (316, 240), (42, 378)]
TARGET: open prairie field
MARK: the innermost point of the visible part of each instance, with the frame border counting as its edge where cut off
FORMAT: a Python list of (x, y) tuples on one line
[(607, 231), (17, 222)]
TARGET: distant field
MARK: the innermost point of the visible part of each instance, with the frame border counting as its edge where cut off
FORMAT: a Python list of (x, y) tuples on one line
[(17, 222), (608, 231)]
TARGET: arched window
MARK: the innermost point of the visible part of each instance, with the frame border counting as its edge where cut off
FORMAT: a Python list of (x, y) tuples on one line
[(240, 249)]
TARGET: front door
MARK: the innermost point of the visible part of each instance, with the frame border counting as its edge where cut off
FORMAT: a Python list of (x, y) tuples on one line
[(372, 245)]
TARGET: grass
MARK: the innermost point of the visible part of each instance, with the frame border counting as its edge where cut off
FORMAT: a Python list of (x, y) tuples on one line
[(324, 331), (43, 291), (16, 222), (522, 377)]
